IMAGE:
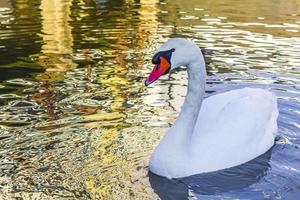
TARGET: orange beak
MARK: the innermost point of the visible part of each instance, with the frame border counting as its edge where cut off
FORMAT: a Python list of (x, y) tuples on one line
[(158, 71)]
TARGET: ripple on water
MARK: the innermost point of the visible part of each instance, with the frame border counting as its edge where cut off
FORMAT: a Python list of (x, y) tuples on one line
[(77, 122)]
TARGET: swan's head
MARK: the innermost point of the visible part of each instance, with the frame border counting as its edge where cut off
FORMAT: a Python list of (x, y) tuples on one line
[(172, 54)]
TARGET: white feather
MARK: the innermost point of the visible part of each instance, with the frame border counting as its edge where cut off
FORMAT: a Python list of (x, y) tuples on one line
[(223, 131)]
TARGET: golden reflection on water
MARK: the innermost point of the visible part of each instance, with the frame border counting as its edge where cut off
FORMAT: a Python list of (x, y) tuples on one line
[(57, 39), (113, 182), (276, 17)]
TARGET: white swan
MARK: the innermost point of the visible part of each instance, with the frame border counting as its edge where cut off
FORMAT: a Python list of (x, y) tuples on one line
[(219, 132)]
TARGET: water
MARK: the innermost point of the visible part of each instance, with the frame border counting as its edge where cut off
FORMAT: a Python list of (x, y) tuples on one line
[(78, 123)]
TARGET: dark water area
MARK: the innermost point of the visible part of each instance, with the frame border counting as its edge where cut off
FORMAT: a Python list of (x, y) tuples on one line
[(76, 121)]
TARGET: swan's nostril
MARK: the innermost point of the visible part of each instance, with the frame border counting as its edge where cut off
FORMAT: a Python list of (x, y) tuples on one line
[(156, 67), (165, 54)]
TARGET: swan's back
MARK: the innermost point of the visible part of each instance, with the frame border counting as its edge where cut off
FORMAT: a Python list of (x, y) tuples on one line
[(233, 128)]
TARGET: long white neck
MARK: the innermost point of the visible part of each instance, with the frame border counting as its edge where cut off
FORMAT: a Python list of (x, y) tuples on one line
[(195, 93), (184, 124)]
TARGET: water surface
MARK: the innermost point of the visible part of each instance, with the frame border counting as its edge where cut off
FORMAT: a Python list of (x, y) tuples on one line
[(76, 121)]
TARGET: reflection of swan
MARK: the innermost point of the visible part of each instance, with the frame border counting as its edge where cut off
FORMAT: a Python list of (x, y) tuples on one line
[(212, 183), (230, 129)]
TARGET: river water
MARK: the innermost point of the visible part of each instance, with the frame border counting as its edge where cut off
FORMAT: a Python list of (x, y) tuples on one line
[(76, 121)]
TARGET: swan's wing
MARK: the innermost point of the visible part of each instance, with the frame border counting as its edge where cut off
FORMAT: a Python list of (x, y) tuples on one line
[(235, 127)]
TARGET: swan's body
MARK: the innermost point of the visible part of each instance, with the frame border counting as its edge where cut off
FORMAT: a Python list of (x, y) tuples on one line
[(219, 132)]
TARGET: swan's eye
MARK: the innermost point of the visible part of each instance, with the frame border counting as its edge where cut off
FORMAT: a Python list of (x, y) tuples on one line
[(155, 59), (165, 54)]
